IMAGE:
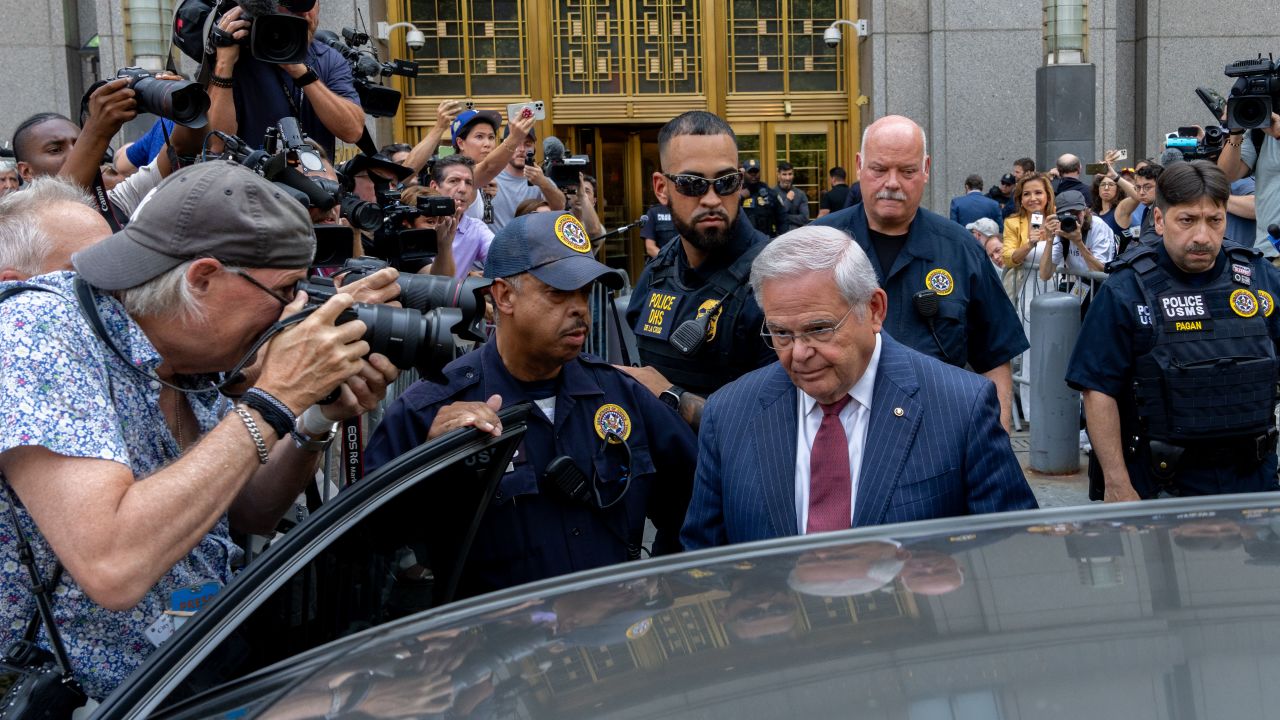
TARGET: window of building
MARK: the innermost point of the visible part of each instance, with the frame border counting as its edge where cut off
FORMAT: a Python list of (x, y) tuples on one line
[(607, 47), (776, 46), (473, 47)]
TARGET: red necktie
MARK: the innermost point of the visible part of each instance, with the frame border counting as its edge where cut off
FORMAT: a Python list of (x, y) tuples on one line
[(830, 484)]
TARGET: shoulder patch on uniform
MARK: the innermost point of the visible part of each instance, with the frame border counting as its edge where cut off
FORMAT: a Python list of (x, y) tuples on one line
[(939, 281), (1268, 303), (1243, 303), (612, 423), (570, 232), (1241, 274)]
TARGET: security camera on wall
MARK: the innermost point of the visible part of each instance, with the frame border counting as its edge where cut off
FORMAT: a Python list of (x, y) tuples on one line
[(831, 36)]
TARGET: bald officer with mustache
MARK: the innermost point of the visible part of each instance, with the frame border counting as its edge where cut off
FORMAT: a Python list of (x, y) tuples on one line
[(600, 453), (945, 299)]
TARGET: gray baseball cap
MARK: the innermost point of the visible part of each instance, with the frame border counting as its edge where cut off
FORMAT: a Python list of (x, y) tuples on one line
[(216, 209)]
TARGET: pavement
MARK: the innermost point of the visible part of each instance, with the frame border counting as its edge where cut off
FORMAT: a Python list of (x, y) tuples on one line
[(1052, 490)]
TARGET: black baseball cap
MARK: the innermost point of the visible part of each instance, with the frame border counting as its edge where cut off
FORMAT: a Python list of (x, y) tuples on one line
[(551, 246), (216, 209), (1008, 179)]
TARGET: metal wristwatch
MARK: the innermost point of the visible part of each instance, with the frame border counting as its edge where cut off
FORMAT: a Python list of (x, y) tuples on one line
[(671, 397)]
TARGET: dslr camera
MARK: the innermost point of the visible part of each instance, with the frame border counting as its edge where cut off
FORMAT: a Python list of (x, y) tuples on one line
[(420, 334), (1254, 95), (184, 102), (276, 38), (1067, 221)]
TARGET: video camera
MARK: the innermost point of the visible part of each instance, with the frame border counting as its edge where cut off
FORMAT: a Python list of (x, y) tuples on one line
[(420, 334), (1186, 142), (376, 99), (276, 38), (1255, 94)]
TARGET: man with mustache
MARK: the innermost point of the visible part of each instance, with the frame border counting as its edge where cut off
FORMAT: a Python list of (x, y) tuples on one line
[(632, 455), (1179, 371), (945, 299), (696, 322)]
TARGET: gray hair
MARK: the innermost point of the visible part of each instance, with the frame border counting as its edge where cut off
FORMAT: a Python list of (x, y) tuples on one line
[(815, 248), (7, 166), (24, 245), (167, 295)]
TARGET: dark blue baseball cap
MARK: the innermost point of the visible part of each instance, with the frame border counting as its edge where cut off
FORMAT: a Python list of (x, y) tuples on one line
[(466, 118), (551, 246)]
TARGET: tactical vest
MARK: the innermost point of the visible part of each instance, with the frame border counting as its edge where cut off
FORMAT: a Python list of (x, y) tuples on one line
[(1211, 374), (723, 356)]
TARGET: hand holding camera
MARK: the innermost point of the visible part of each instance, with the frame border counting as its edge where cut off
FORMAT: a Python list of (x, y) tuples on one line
[(232, 26), (305, 362), (110, 107)]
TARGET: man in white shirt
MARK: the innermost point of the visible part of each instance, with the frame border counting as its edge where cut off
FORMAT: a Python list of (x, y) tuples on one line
[(1089, 246), (849, 428)]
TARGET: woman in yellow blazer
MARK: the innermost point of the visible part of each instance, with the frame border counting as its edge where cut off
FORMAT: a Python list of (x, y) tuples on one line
[(1024, 242)]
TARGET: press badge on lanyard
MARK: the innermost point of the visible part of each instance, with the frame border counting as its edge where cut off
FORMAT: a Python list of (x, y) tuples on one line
[(658, 315), (183, 604)]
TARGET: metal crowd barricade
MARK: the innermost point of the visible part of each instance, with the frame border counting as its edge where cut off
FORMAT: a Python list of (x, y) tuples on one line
[(1026, 286)]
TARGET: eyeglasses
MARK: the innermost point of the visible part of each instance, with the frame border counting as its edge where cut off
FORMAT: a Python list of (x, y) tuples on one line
[(697, 186), (781, 339), (292, 291)]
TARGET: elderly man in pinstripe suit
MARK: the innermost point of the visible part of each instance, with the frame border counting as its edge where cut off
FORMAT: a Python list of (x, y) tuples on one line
[(849, 427)]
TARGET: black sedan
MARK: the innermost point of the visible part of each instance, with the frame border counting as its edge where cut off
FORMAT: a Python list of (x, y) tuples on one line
[(1166, 609)]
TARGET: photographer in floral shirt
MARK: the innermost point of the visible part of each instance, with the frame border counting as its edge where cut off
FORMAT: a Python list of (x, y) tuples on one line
[(127, 465)]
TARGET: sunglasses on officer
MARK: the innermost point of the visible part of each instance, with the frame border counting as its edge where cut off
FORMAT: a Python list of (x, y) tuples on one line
[(697, 186)]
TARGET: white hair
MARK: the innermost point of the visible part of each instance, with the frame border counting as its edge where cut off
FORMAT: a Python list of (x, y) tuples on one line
[(815, 248), (924, 139), (24, 245), (168, 295)]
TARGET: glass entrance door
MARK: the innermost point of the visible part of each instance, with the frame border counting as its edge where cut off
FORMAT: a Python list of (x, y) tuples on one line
[(623, 161)]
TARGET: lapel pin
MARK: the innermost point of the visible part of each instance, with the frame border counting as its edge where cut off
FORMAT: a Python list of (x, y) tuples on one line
[(899, 412)]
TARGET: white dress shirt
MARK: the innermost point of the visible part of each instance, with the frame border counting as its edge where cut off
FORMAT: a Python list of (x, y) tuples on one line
[(854, 417)]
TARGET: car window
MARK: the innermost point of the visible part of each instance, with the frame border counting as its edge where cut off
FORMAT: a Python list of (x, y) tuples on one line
[(353, 565)]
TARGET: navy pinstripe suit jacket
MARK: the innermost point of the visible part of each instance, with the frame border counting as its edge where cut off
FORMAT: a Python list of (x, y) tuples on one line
[(945, 455)]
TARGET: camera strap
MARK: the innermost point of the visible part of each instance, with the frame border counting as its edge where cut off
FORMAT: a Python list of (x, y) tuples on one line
[(295, 105), (103, 203), (89, 309), (42, 592)]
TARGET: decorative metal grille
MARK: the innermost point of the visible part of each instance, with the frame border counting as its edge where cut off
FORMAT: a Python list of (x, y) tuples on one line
[(473, 47), (776, 46)]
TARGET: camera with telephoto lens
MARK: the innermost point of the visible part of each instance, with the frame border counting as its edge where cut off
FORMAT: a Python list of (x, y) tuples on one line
[(376, 99), (185, 103), (38, 688), (426, 293), (1255, 94), (408, 337)]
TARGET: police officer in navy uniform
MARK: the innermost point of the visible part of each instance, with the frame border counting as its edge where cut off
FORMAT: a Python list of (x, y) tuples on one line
[(635, 452), (696, 322), (1177, 357), (945, 299), (762, 204)]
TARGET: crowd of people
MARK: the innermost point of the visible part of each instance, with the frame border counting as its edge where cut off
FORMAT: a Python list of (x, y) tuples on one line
[(169, 387)]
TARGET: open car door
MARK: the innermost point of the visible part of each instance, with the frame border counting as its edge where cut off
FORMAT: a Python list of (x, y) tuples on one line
[(333, 575)]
